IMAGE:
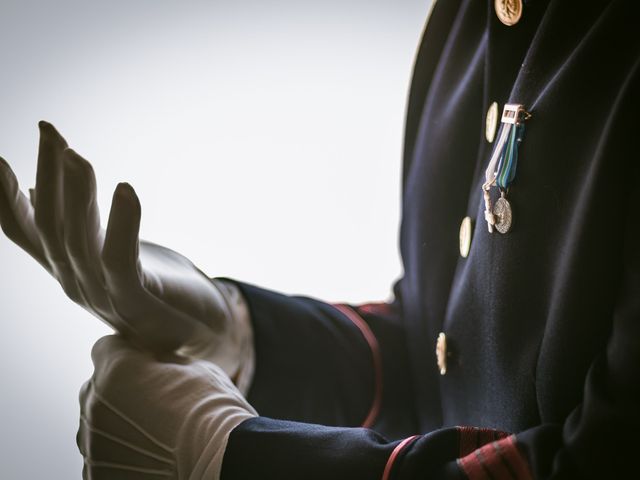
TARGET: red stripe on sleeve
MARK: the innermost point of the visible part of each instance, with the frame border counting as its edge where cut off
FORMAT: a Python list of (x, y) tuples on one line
[(386, 475), (377, 361), (375, 309)]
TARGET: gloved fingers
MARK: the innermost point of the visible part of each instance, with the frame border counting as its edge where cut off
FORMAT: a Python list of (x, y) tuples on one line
[(105, 442), (121, 244), (120, 261), (82, 234), (143, 417), (119, 256), (162, 327), (17, 216), (118, 434), (49, 185), (102, 447), (116, 411), (49, 207)]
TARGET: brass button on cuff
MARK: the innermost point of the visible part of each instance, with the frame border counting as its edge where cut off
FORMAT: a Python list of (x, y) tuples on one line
[(508, 11), (491, 123), (441, 353), (466, 232)]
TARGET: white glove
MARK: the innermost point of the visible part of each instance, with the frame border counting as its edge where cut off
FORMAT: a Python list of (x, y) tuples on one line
[(144, 418), (152, 295)]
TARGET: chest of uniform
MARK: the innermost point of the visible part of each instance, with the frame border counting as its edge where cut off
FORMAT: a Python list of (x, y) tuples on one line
[(507, 291)]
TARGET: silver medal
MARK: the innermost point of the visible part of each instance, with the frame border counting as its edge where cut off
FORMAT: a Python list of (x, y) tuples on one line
[(503, 215)]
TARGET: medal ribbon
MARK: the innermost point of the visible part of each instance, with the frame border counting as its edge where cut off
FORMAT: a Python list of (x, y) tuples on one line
[(508, 162), (501, 170)]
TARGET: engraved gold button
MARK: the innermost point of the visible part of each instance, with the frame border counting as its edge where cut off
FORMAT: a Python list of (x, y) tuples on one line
[(508, 11), (441, 353), (491, 122), (466, 232)]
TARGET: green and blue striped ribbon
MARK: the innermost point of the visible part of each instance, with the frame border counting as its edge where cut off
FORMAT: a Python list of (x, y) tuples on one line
[(508, 162)]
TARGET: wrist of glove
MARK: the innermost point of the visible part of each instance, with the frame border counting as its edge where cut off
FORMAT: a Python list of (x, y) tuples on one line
[(144, 416), (233, 350)]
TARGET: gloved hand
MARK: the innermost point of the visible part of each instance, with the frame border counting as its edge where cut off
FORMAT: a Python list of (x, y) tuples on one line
[(152, 295), (144, 418)]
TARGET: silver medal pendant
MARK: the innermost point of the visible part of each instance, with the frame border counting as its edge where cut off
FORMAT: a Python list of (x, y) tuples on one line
[(503, 214)]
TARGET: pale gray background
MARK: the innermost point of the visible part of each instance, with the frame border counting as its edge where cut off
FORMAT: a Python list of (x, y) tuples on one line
[(263, 139)]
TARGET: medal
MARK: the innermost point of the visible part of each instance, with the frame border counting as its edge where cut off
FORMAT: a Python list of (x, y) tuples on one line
[(502, 214), (502, 167)]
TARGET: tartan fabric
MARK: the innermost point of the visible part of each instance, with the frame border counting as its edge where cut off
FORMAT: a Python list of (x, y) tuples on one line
[(472, 438), (495, 460)]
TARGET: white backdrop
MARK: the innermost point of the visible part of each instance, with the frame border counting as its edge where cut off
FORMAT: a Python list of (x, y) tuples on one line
[(262, 137)]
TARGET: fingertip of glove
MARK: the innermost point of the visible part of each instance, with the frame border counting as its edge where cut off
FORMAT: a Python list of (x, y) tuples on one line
[(4, 165), (50, 132), (125, 191), (124, 188)]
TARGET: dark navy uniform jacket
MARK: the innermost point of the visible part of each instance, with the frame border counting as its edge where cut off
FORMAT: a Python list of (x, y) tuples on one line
[(542, 323)]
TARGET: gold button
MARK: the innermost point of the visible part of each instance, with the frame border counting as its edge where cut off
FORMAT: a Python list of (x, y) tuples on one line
[(466, 232), (508, 11), (441, 353), (491, 122)]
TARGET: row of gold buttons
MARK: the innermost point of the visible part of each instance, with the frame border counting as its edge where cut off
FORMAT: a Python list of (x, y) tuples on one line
[(466, 227), (509, 12)]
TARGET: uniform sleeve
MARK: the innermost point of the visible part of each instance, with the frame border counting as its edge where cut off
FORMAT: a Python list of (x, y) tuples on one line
[(328, 367), (331, 364), (321, 367), (276, 449)]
